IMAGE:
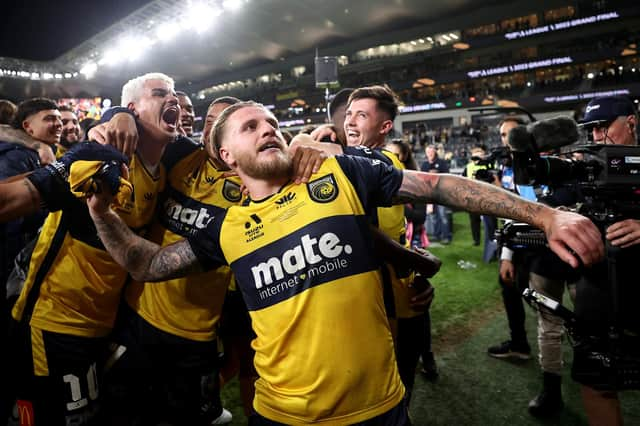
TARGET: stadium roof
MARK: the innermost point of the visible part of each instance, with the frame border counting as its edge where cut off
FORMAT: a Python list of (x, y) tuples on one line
[(197, 42)]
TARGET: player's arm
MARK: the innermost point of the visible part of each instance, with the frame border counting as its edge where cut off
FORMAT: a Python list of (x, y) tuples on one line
[(117, 128), (571, 236), (145, 261), (18, 197), (403, 258)]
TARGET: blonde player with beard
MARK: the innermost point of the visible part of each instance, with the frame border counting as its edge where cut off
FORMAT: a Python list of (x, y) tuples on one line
[(302, 258)]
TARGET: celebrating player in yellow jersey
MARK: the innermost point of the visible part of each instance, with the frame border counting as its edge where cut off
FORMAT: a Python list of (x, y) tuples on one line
[(72, 292), (303, 261)]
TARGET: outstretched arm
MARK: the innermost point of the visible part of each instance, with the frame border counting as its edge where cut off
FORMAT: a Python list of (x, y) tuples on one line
[(18, 197), (145, 261), (571, 236)]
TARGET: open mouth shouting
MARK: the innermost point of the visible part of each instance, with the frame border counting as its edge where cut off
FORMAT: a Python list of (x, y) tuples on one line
[(170, 118)]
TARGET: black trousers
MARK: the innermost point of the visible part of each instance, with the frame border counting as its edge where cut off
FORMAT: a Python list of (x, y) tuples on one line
[(512, 297), (474, 220)]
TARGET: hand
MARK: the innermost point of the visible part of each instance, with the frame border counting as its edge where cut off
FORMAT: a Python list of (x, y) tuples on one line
[(507, 271), (423, 294), (324, 133), (120, 132), (306, 161), (573, 238), (625, 233), (426, 264), (99, 202)]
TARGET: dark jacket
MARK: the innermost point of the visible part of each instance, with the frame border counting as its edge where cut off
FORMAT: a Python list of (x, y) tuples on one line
[(15, 160)]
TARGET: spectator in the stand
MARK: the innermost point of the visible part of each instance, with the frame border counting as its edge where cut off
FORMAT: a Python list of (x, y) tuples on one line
[(7, 111), (438, 224), (187, 115), (514, 269), (71, 131)]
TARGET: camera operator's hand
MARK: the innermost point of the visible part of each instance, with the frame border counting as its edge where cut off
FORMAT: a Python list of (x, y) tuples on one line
[(625, 233), (507, 271), (572, 236)]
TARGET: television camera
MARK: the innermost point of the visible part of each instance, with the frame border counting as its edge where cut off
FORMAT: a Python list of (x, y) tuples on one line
[(607, 183)]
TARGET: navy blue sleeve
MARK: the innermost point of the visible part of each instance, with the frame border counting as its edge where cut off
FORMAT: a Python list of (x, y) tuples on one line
[(363, 151), (375, 182), (16, 160), (108, 114), (177, 150), (206, 244)]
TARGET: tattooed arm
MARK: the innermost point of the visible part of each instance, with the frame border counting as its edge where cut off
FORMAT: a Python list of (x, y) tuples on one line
[(570, 235), (18, 197), (145, 261)]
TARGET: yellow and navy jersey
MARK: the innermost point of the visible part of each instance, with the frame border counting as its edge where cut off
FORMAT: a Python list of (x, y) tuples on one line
[(304, 263), (196, 192), (392, 222), (74, 285), (60, 151)]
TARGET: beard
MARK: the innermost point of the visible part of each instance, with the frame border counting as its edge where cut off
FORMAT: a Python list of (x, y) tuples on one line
[(278, 166)]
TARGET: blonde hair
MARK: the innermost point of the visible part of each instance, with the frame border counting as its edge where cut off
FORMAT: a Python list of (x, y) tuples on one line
[(132, 90), (217, 132)]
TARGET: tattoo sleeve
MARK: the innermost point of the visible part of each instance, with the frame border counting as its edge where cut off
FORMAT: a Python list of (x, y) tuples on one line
[(468, 194), (145, 261)]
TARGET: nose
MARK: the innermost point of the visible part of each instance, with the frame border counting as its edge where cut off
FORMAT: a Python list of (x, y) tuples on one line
[(173, 99), (267, 129), (348, 120), (598, 134)]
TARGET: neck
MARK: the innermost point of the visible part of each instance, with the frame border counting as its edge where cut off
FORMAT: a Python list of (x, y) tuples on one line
[(260, 188), (150, 152)]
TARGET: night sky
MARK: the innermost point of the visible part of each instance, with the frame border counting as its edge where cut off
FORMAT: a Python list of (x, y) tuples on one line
[(42, 30)]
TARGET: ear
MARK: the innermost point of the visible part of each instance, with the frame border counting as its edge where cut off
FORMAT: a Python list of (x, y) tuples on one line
[(631, 122), (386, 127), (227, 157), (26, 126), (132, 107)]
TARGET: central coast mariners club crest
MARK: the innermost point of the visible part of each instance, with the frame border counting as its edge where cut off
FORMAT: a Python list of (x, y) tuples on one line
[(323, 190), (231, 191)]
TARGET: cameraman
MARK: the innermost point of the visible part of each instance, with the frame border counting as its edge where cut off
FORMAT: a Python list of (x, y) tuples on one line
[(611, 120), (482, 168), (514, 268)]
